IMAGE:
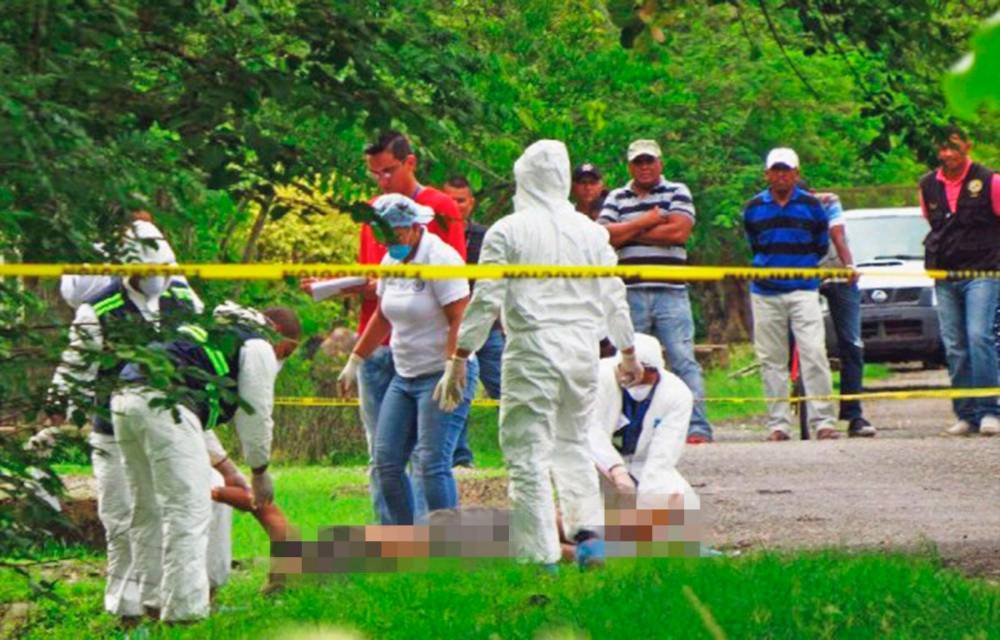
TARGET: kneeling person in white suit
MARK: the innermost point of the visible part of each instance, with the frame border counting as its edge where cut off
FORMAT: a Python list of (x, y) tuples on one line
[(639, 433), (165, 454)]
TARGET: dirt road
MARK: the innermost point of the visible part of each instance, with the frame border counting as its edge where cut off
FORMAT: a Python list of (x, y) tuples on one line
[(908, 487)]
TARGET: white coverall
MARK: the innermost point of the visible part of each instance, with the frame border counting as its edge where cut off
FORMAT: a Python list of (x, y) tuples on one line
[(664, 429), (114, 500), (168, 470), (549, 365)]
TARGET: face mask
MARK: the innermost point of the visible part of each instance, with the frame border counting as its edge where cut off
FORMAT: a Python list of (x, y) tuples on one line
[(153, 286), (399, 251), (640, 391)]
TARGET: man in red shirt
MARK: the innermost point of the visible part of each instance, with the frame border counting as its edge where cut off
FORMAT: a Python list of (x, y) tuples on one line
[(392, 165), (961, 201)]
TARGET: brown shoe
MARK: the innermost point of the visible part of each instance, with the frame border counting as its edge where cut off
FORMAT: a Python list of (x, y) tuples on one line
[(827, 433), (777, 436)]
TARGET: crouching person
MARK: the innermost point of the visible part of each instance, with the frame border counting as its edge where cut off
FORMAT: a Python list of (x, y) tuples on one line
[(640, 431), (166, 459)]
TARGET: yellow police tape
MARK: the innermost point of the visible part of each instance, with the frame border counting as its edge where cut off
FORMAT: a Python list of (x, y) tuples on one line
[(947, 394), (675, 273)]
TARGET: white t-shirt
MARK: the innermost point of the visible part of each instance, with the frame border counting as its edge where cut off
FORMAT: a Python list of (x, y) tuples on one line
[(414, 308)]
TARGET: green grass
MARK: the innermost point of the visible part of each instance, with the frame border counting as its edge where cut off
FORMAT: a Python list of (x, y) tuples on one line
[(823, 594)]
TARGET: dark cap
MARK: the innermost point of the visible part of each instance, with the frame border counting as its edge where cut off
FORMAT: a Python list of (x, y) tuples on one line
[(586, 169)]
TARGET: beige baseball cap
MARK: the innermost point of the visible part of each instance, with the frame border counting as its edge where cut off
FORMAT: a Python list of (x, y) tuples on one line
[(644, 148)]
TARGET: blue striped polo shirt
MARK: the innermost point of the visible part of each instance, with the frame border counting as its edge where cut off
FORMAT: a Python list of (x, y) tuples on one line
[(793, 235)]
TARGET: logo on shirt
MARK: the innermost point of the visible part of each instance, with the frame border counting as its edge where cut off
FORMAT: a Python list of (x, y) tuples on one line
[(406, 284), (975, 188)]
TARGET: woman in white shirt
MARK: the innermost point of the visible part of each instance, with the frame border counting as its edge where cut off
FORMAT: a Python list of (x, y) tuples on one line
[(423, 318)]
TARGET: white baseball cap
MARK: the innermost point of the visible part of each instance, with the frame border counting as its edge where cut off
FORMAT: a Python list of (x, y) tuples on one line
[(643, 148), (782, 155)]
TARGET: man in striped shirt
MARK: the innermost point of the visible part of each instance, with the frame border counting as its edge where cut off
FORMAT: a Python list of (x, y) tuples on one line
[(649, 221), (787, 227)]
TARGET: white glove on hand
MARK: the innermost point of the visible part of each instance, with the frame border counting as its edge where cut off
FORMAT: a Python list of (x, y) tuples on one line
[(263, 489), (348, 378), (623, 481), (451, 387), (630, 371)]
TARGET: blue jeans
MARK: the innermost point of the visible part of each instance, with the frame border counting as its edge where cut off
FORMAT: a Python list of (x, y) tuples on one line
[(966, 310), (410, 422), (489, 373), (844, 301), (665, 312), (376, 373)]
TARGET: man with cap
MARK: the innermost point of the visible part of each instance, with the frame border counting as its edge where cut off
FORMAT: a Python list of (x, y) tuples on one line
[(650, 220), (459, 190), (787, 227), (588, 190)]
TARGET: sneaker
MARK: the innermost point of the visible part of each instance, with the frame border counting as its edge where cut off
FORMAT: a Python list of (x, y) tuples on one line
[(778, 436), (697, 438), (467, 463), (989, 426), (860, 428), (960, 428), (827, 433), (590, 554)]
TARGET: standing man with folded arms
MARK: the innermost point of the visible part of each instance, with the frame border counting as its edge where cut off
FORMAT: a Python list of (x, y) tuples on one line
[(650, 221)]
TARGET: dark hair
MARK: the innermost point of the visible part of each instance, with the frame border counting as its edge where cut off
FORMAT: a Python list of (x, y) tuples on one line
[(458, 182), (285, 321), (392, 141), (945, 133)]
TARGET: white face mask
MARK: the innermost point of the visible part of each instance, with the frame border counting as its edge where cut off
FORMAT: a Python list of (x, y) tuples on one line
[(640, 391), (153, 286)]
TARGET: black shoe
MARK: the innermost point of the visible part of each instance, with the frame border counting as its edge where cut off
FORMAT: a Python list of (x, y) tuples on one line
[(467, 463), (860, 428)]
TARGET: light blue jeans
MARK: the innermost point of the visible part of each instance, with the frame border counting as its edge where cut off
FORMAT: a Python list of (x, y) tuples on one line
[(376, 373), (665, 312), (966, 309), (489, 373), (410, 423)]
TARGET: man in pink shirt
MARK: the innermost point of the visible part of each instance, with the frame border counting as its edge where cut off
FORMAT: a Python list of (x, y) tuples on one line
[(961, 201)]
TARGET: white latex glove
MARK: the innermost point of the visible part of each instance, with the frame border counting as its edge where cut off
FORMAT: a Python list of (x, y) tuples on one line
[(348, 378), (623, 481), (630, 371), (451, 387), (263, 489)]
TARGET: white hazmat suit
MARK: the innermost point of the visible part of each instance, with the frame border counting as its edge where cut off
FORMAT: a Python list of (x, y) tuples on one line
[(661, 441), (550, 361), (168, 464), (114, 499)]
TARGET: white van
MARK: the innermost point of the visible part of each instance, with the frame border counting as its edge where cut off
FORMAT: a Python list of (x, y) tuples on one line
[(898, 313)]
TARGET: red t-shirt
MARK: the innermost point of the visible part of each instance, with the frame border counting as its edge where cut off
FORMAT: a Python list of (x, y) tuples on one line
[(371, 252)]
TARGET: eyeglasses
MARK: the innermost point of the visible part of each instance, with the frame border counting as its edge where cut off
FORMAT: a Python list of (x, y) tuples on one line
[(384, 174)]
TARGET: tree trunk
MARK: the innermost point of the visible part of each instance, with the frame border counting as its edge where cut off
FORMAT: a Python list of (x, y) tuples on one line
[(250, 250)]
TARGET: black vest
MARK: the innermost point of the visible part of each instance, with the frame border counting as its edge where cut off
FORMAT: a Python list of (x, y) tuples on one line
[(208, 366), (122, 323), (966, 239)]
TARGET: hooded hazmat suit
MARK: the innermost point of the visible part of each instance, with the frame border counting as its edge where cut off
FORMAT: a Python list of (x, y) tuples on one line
[(653, 462), (114, 500), (550, 362)]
